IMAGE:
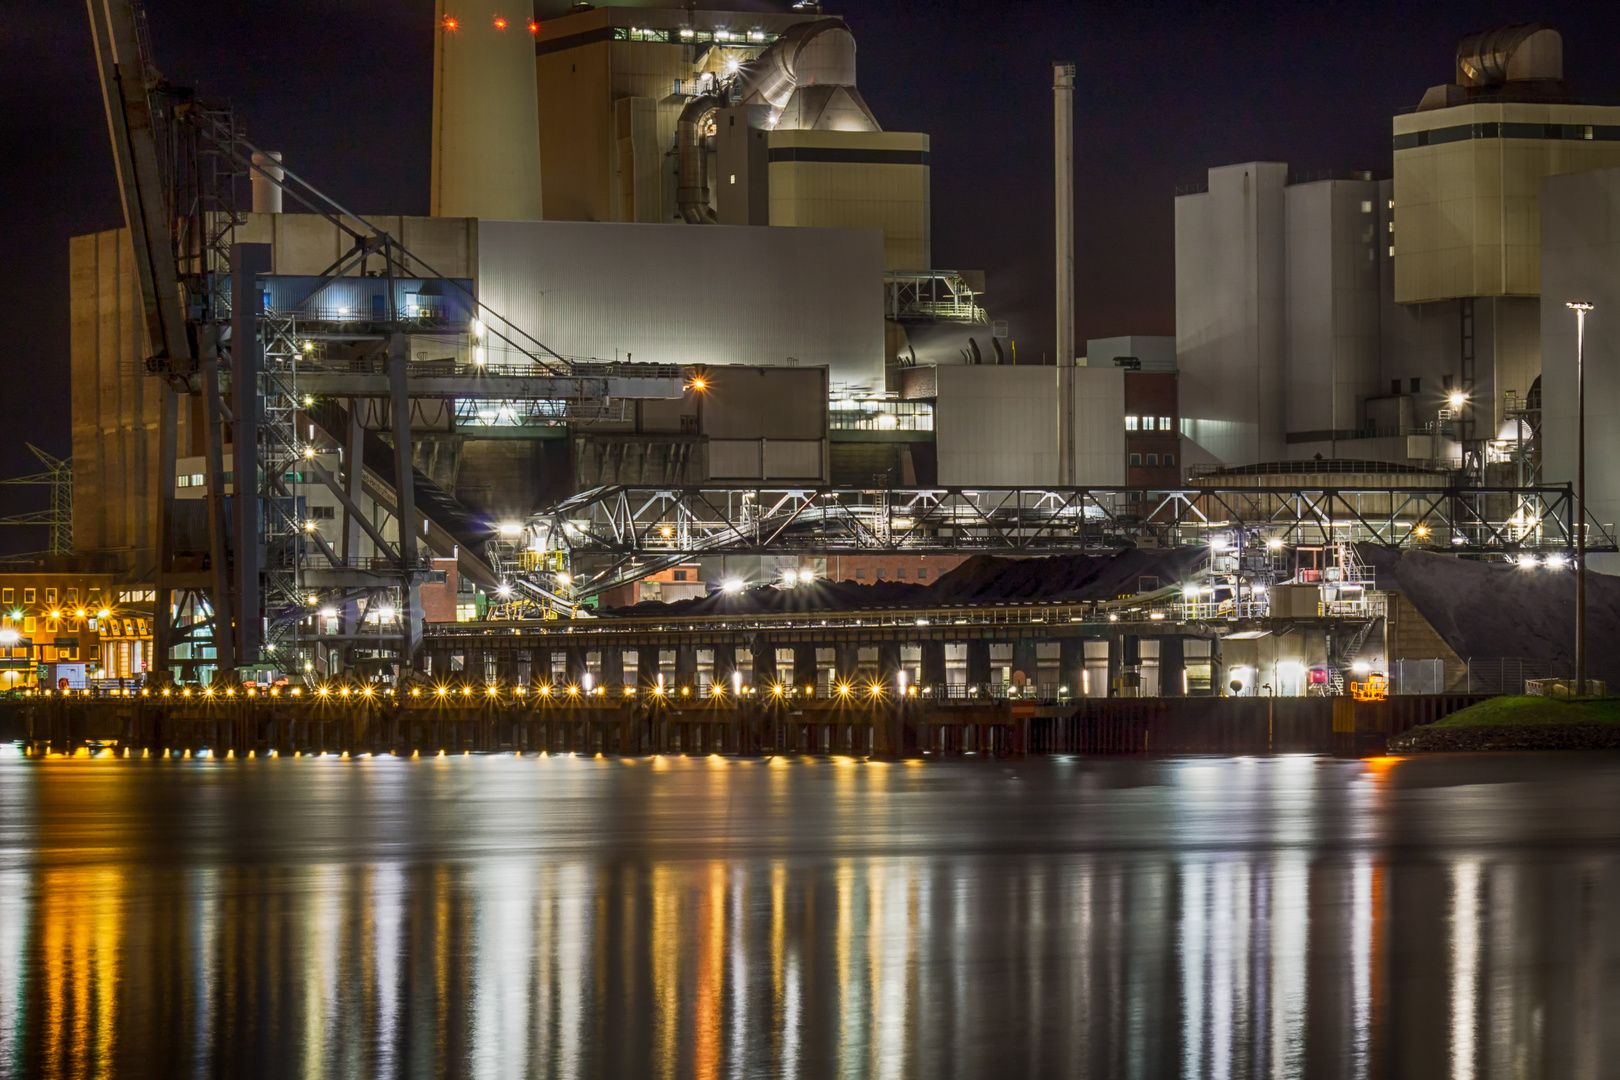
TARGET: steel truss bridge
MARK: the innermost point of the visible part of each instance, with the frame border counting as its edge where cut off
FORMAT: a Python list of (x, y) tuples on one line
[(611, 536)]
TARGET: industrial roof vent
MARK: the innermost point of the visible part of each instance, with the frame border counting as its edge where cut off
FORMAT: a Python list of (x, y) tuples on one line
[(1510, 63), (1510, 54)]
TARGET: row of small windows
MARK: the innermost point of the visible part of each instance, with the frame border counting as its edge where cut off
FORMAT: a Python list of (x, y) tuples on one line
[(900, 573), (9, 596), (1149, 423), (1153, 460), (198, 479), (1507, 130)]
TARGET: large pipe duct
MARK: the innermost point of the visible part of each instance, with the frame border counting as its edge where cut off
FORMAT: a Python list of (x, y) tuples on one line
[(692, 195), (486, 113), (1063, 143), (1510, 54)]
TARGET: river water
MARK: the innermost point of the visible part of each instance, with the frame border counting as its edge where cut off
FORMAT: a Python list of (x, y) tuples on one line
[(704, 917)]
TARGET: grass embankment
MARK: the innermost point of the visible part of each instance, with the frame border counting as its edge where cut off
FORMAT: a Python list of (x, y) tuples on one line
[(1521, 723)]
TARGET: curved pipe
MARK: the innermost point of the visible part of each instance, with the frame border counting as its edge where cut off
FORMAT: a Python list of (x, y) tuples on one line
[(692, 194), (772, 77)]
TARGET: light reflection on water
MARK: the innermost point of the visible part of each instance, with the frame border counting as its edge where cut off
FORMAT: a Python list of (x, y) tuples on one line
[(674, 917)]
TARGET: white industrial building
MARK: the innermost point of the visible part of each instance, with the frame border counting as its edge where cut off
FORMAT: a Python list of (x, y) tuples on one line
[(1396, 319)]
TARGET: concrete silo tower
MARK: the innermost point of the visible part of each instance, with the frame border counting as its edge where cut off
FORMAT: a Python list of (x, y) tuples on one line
[(486, 115)]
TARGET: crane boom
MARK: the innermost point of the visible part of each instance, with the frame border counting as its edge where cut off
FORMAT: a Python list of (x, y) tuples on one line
[(127, 85)]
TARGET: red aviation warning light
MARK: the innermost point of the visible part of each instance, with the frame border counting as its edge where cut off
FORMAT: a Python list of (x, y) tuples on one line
[(450, 24), (500, 22), (534, 27)]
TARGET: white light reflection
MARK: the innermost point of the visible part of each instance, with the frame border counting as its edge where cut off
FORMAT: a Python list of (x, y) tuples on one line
[(1361, 963), (1290, 922), (15, 900), (1464, 966), (503, 929), (388, 899), (1194, 949)]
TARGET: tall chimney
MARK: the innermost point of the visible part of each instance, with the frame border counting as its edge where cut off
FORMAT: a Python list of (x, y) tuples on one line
[(486, 112), (267, 184), (1063, 140)]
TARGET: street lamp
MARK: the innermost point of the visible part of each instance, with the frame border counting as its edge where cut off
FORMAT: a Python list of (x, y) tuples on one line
[(1580, 307)]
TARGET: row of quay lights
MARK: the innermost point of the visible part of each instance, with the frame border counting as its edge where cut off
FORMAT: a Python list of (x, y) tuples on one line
[(778, 690)]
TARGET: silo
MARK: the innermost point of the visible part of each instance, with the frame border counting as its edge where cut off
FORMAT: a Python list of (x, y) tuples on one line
[(486, 116)]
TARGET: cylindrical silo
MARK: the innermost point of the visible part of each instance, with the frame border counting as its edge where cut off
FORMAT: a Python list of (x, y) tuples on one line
[(486, 116), (266, 184)]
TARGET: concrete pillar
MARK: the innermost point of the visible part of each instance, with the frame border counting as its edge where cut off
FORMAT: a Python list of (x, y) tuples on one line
[(647, 668), (932, 671), (1026, 660), (1072, 665), (576, 664), (849, 661), (725, 662), (685, 666), (1116, 661), (1171, 666), (889, 666), (764, 653), (804, 665), (613, 668), (978, 662)]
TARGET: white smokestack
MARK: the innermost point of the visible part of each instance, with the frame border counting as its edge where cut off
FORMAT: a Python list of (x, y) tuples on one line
[(1063, 141), (486, 112)]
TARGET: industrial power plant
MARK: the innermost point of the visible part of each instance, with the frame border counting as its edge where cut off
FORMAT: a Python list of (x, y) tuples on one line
[(672, 397)]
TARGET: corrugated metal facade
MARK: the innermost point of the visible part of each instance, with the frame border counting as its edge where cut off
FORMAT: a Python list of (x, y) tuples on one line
[(998, 425), (675, 294)]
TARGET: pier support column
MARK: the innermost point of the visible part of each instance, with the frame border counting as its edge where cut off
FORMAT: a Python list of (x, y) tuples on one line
[(647, 670), (1172, 666), (804, 667), (1072, 666), (1027, 660), (978, 662), (576, 665), (932, 671), (613, 670)]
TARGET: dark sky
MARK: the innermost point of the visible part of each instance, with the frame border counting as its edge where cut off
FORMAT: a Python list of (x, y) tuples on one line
[(1165, 89)]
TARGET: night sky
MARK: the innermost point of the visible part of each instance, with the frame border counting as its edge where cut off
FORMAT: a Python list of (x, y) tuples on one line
[(1164, 90)]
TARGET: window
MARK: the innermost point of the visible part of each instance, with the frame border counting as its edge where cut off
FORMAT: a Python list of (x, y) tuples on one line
[(29, 624), (182, 481), (900, 573), (882, 573), (860, 574), (922, 574), (1394, 386), (52, 626), (50, 596), (1136, 460), (680, 575), (73, 598), (1153, 461), (1169, 459), (1130, 423), (1366, 206), (1164, 424), (9, 596), (1415, 385), (28, 596)]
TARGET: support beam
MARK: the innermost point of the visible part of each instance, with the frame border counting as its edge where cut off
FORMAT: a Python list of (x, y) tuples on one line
[(410, 607), (248, 262)]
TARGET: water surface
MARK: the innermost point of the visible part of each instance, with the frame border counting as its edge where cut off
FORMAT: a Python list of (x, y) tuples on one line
[(705, 917)]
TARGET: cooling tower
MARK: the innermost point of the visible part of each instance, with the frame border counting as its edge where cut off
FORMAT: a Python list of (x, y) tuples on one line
[(486, 116)]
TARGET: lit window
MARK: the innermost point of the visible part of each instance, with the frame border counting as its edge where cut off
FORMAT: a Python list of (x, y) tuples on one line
[(1130, 423), (9, 596), (1366, 206), (50, 596), (1164, 424), (182, 481), (197, 479), (28, 596)]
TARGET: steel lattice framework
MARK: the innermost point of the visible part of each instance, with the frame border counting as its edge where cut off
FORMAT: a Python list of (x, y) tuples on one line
[(614, 535)]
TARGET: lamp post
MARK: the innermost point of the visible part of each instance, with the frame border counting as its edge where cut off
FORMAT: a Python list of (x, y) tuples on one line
[(1580, 308)]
